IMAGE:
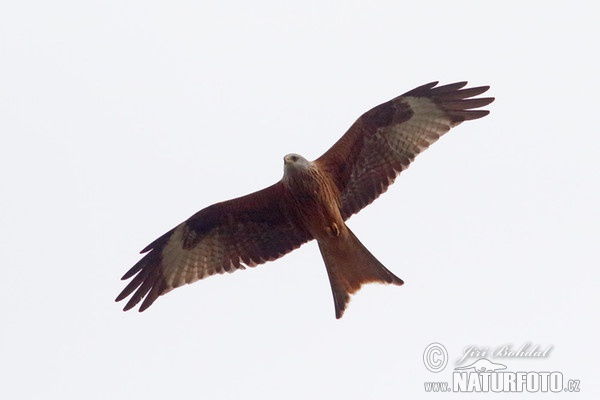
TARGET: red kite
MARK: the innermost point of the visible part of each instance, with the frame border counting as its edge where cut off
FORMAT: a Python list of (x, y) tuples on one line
[(311, 201)]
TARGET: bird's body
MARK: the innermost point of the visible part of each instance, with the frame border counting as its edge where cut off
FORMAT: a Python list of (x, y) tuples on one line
[(311, 201), (349, 264), (315, 196)]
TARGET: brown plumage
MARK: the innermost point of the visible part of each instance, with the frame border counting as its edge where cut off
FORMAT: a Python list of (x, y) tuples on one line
[(312, 201)]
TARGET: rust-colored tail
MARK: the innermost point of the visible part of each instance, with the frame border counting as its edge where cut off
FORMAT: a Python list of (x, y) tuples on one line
[(349, 265)]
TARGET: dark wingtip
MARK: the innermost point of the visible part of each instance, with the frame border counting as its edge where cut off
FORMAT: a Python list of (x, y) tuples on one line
[(129, 274), (146, 304), (122, 296), (131, 303), (450, 87), (450, 90), (418, 91)]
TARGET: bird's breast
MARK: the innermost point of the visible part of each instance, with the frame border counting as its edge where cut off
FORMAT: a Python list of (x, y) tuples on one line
[(316, 203)]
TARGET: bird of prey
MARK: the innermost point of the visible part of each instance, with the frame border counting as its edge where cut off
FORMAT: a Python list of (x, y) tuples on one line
[(312, 200)]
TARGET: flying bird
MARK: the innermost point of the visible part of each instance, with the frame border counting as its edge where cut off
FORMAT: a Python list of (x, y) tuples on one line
[(312, 200)]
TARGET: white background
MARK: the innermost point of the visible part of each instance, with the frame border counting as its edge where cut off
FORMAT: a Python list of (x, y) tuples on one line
[(120, 119)]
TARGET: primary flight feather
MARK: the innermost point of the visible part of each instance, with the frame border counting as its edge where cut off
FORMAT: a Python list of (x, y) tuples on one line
[(312, 200)]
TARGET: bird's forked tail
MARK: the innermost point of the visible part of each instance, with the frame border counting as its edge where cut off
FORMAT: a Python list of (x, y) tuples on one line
[(349, 265)]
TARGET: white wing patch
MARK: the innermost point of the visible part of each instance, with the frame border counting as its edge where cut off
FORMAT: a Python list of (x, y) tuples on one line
[(426, 126)]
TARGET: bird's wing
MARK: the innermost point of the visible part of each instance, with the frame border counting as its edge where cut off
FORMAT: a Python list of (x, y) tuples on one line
[(224, 237), (386, 139)]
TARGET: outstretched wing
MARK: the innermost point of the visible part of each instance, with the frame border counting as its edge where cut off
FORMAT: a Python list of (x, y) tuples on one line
[(386, 139), (224, 237)]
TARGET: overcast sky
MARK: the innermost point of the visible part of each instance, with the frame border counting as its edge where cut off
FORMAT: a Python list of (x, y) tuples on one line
[(120, 119)]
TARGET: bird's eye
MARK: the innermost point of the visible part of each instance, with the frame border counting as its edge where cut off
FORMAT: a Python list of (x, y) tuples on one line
[(294, 158)]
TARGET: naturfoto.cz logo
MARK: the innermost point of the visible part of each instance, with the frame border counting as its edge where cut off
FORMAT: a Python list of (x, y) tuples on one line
[(484, 375)]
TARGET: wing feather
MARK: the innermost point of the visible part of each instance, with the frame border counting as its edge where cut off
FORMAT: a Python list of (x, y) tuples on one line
[(224, 237), (386, 139)]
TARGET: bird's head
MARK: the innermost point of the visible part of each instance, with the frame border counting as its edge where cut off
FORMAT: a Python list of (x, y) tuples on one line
[(295, 161)]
